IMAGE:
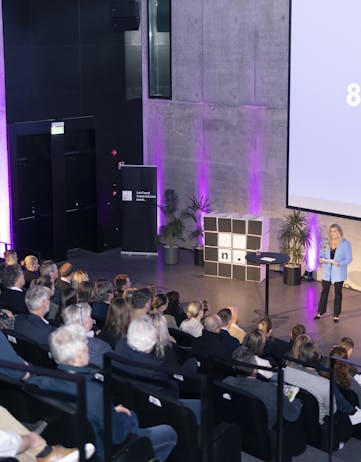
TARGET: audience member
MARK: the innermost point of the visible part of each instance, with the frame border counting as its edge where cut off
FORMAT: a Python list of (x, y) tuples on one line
[(12, 296), (117, 322), (103, 294), (78, 277), (225, 315), (66, 272), (212, 342), (69, 347), (80, 314), (139, 346), (266, 391), (174, 308), (33, 325), (122, 283), (255, 341), (17, 440), (163, 347), (193, 324), (10, 258), (141, 300), (235, 330), (160, 305), (49, 268), (84, 292), (31, 269), (47, 282)]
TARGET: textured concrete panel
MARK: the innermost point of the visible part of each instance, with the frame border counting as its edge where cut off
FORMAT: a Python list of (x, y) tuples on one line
[(187, 51)]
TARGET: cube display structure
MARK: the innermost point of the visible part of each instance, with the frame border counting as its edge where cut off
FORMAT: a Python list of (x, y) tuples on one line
[(227, 240)]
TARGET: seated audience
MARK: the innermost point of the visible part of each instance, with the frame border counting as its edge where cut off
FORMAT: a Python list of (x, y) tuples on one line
[(255, 341), (103, 294), (298, 329), (7, 353), (235, 330), (163, 347), (117, 322), (121, 284), (140, 303), (17, 440), (33, 325), (246, 380), (68, 297), (80, 314), (66, 272), (274, 347), (174, 309), (31, 269), (12, 296), (49, 268), (225, 315), (193, 325), (84, 292), (47, 282), (69, 347), (308, 379), (212, 342), (139, 346), (10, 258), (160, 305), (297, 345), (78, 277), (349, 346), (7, 319)]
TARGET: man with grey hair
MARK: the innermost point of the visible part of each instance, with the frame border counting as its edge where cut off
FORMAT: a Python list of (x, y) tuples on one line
[(69, 347), (80, 313), (247, 381), (49, 268), (138, 346), (33, 325)]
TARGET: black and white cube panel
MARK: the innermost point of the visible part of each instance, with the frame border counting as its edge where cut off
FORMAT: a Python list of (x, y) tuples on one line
[(228, 238)]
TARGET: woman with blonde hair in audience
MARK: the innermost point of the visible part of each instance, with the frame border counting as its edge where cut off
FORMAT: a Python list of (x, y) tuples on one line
[(116, 322), (78, 277), (193, 325)]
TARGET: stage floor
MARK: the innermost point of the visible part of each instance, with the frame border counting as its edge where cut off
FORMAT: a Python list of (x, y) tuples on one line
[(288, 305)]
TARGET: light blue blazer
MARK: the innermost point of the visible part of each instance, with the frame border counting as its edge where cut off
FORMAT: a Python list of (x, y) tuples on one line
[(343, 256)]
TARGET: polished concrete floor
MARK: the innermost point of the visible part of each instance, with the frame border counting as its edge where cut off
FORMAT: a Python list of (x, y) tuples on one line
[(288, 305)]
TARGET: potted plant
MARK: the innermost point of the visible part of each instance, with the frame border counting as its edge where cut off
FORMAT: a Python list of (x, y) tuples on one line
[(295, 239), (173, 228), (196, 209)]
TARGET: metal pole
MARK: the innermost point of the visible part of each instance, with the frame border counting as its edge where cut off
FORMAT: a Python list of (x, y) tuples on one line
[(280, 383), (331, 420)]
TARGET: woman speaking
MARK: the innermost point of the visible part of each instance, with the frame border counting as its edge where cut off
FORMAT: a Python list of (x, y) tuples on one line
[(335, 256)]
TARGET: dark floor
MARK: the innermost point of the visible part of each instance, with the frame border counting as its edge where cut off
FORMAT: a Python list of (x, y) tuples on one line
[(288, 305)]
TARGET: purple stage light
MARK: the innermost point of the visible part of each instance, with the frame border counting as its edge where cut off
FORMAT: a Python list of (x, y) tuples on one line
[(5, 197), (312, 255), (202, 182), (255, 155)]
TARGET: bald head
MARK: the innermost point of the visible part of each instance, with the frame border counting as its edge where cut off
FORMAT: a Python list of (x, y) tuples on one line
[(213, 323)]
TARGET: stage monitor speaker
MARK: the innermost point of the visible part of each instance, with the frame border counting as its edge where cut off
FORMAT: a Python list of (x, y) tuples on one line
[(125, 15)]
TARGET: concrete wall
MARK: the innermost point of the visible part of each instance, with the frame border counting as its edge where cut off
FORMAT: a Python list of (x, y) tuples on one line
[(227, 120)]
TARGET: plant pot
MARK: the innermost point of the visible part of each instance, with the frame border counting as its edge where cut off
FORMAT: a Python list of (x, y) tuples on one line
[(292, 275), (199, 255), (170, 255)]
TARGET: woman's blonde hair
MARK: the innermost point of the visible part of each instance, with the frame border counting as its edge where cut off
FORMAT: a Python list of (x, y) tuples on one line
[(338, 229)]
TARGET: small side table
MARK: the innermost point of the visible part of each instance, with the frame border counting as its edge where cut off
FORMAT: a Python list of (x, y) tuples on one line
[(267, 258)]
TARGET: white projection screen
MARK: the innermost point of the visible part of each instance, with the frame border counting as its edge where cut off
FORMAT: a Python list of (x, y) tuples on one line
[(324, 131)]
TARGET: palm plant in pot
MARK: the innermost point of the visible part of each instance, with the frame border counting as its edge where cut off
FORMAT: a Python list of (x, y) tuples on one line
[(173, 229), (295, 239), (196, 209)]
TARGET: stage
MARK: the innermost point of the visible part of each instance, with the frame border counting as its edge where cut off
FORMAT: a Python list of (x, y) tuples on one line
[(288, 305)]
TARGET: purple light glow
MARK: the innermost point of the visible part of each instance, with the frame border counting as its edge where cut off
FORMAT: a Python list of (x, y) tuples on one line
[(255, 155), (313, 250), (202, 181), (157, 158), (5, 202)]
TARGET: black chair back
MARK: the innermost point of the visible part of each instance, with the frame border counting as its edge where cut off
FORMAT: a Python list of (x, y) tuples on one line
[(182, 338)]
